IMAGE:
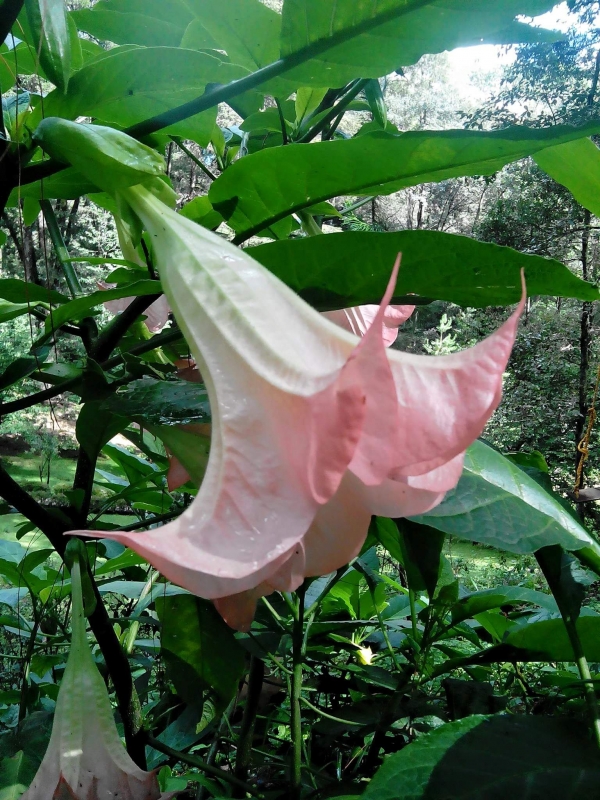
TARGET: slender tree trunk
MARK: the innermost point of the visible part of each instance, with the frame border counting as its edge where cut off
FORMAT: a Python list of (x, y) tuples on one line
[(30, 265)]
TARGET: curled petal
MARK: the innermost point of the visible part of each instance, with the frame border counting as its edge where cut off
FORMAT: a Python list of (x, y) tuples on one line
[(359, 319), (444, 402)]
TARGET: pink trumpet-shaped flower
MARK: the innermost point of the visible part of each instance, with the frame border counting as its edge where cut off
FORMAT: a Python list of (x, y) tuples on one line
[(313, 429), (85, 759), (157, 314), (359, 319)]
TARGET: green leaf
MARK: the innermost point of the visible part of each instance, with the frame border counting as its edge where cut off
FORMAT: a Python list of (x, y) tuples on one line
[(81, 306), (107, 157), (376, 102), (18, 291), (575, 165), (16, 774), (483, 758), (421, 555), (200, 210), (51, 38), (410, 30), (199, 648), (266, 186), (489, 599), (68, 184), (307, 101), (498, 504), (247, 30), (19, 60), (130, 84), (17, 370), (96, 426), (353, 268), (152, 23), (161, 402), (546, 640), (10, 311)]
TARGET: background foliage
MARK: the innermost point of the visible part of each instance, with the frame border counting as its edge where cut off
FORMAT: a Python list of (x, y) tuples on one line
[(458, 641)]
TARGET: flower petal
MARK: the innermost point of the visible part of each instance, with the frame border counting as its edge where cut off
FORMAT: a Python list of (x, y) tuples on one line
[(274, 459), (359, 319), (444, 402)]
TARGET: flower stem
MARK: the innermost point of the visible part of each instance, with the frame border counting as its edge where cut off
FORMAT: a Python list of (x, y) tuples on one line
[(256, 678), (298, 646)]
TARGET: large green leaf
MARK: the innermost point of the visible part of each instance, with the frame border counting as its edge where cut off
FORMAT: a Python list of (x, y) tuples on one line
[(199, 648), (96, 426), (161, 402), (488, 599), (266, 186), (10, 311), (483, 758), (575, 165), (130, 84), (16, 774), (152, 23), (68, 184), (80, 307), (498, 504), (418, 27), (353, 268), (247, 30), (548, 640), (51, 39)]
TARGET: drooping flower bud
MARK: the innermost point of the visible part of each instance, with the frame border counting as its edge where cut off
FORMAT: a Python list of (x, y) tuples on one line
[(86, 759)]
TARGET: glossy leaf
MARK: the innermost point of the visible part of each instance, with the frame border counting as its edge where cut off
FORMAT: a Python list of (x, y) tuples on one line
[(575, 165), (492, 758), (409, 31), (489, 599), (97, 426), (16, 774), (81, 306), (548, 640), (10, 311), (152, 23), (247, 30), (51, 38), (18, 291), (130, 84), (351, 269), (199, 648), (67, 184), (266, 186), (161, 402), (498, 504)]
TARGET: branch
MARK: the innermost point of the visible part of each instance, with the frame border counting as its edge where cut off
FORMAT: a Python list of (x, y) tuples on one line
[(194, 761), (115, 330), (160, 340)]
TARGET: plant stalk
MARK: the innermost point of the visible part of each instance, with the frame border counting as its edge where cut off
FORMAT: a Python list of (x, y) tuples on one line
[(60, 248), (256, 677), (298, 649)]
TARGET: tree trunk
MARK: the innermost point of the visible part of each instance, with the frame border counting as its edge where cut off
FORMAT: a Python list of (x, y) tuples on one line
[(30, 265)]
